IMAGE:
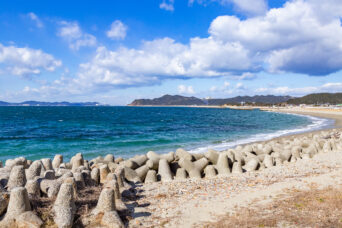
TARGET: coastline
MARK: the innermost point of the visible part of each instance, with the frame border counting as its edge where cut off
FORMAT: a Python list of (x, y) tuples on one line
[(218, 201), (330, 120), (156, 190), (316, 112)]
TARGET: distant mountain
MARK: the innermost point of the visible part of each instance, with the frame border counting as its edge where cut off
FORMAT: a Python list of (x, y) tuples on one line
[(169, 100), (318, 98), (39, 103), (268, 99), (2, 103), (181, 100)]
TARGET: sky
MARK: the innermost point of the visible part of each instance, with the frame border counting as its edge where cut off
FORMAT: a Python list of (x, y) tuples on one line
[(116, 51)]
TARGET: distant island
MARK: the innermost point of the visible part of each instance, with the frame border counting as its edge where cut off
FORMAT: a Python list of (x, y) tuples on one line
[(177, 100), (40, 103)]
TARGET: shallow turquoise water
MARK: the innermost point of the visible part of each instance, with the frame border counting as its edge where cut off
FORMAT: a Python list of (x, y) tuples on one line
[(36, 132)]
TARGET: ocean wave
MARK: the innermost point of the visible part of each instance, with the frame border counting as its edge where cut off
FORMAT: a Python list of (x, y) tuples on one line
[(316, 124)]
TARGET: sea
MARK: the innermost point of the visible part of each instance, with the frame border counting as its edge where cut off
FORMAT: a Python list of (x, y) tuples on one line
[(42, 132)]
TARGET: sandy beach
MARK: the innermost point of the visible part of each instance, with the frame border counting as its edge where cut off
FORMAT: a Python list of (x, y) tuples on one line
[(335, 114), (209, 202), (241, 187)]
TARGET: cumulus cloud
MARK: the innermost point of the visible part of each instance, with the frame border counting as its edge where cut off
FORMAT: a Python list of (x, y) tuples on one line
[(302, 36), (35, 19), (162, 59), (167, 5), (117, 30), (26, 61), (183, 89), (295, 38), (72, 33)]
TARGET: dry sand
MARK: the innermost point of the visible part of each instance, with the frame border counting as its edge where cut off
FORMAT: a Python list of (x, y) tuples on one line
[(194, 203)]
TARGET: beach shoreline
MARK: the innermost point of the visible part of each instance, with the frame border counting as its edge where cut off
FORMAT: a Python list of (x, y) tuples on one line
[(329, 113), (176, 189)]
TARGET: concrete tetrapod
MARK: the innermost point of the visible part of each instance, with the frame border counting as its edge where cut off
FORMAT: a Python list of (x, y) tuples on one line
[(142, 170), (79, 180), (237, 169), (47, 163), (76, 162), (106, 201), (34, 170), (139, 159), (18, 203), (106, 206), (164, 170), (95, 176), (104, 170), (212, 156), (181, 174), (131, 175), (17, 177), (57, 161), (28, 219), (268, 161), (251, 165), (181, 153), (113, 184), (120, 175), (64, 207), (32, 187), (151, 176), (222, 165), (209, 171), (201, 163), (109, 158), (154, 157), (193, 171)]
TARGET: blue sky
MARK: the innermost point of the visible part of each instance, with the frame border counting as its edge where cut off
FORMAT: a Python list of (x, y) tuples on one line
[(116, 51)]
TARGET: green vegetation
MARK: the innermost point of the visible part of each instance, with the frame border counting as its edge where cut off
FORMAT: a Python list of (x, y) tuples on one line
[(318, 99)]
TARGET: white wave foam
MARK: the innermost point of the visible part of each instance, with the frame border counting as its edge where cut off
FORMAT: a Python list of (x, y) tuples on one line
[(317, 124)]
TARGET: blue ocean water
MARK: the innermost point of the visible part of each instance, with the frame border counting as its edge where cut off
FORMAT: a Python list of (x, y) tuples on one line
[(37, 132)]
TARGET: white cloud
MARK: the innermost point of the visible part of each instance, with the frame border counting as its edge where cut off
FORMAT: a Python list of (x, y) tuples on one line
[(226, 84), (72, 33), (293, 38), (240, 86), (36, 19), (183, 89), (244, 76), (164, 58), (249, 7), (327, 87), (26, 61), (332, 87), (213, 89), (167, 5), (300, 37), (117, 30)]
